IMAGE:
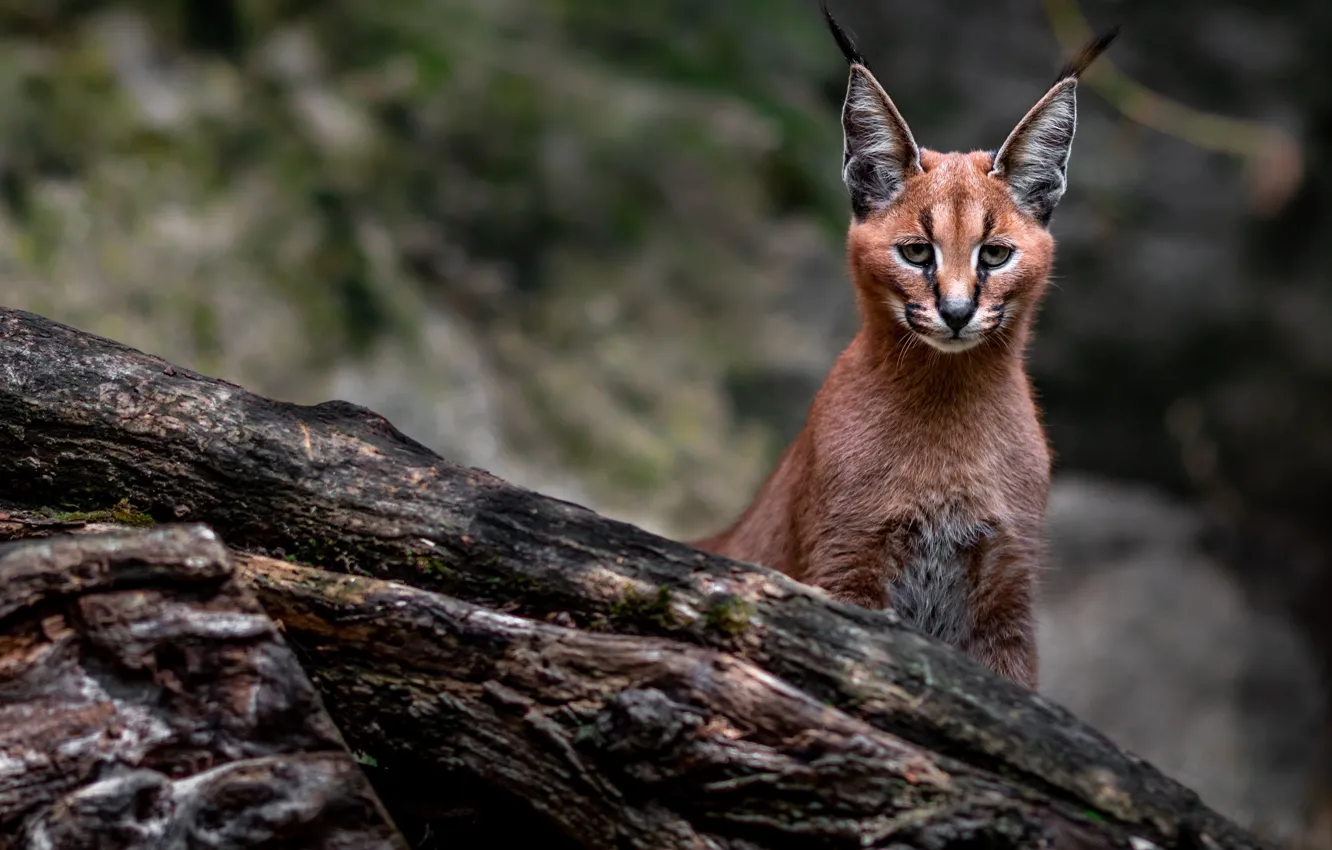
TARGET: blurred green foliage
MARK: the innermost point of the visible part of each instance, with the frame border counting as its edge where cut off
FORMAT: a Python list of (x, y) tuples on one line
[(264, 189)]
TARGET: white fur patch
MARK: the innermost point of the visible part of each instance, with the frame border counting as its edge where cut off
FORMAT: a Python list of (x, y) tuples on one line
[(950, 345), (932, 593), (878, 139)]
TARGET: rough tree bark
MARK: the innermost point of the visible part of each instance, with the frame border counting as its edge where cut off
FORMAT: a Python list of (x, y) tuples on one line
[(633, 691), (147, 702)]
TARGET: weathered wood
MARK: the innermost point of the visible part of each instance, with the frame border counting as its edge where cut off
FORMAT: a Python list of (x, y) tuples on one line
[(629, 741), (147, 701), (92, 424)]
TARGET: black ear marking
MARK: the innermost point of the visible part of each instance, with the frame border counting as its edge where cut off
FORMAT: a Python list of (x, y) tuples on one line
[(878, 151), (844, 41), (1088, 54), (1034, 158)]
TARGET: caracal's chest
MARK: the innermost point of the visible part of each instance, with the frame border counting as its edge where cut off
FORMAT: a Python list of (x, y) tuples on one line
[(934, 562)]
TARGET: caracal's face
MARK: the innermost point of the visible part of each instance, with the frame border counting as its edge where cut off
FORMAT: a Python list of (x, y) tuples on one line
[(952, 256), (955, 245)]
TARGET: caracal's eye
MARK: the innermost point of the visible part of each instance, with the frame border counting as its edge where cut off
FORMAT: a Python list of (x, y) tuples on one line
[(993, 256), (916, 253)]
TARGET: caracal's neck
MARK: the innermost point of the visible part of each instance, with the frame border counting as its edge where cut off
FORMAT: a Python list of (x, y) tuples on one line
[(990, 371)]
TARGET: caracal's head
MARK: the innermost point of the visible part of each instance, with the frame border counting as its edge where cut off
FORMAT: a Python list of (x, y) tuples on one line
[(953, 247)]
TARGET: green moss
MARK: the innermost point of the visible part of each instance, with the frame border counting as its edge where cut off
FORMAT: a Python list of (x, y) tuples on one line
[(477, 575), (521, 584), (326, 554), (365, 759), (121, 513), (634, 608), (433, 567), (729, 615)]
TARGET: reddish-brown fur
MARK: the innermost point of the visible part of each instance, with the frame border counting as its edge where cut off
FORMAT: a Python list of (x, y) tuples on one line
[(908, 449), (900, 432)]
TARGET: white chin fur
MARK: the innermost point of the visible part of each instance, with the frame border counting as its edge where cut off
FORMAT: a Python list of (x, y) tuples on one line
[(952, 346)]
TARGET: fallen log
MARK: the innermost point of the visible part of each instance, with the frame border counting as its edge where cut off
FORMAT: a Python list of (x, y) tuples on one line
[(146, 701), (639, 742), (91, 428)]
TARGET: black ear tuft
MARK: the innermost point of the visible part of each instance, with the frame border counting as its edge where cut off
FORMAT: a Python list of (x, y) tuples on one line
[(1034, 158), (1087, 55), (843, 40), (878, 152)]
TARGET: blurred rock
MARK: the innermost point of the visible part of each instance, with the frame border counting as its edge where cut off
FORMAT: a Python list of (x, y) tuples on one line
[(1156, 645)]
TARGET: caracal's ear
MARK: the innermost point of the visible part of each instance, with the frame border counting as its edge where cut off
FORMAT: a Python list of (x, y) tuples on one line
[(1034, 159), (878, 152)]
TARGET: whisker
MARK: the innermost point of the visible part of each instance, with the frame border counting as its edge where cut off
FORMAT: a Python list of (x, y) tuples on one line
[(908, 340)]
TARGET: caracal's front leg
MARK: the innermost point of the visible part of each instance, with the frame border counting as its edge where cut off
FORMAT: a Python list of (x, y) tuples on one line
[(851, 566), (1003, 631)]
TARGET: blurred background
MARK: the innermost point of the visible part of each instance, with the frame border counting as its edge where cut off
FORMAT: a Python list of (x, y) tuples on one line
[(596, 248)]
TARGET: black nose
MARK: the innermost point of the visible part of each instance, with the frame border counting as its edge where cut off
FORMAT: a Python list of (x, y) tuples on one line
[(956, 312)]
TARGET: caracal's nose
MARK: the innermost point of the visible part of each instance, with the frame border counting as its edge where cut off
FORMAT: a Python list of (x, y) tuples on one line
[(956, 312)]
